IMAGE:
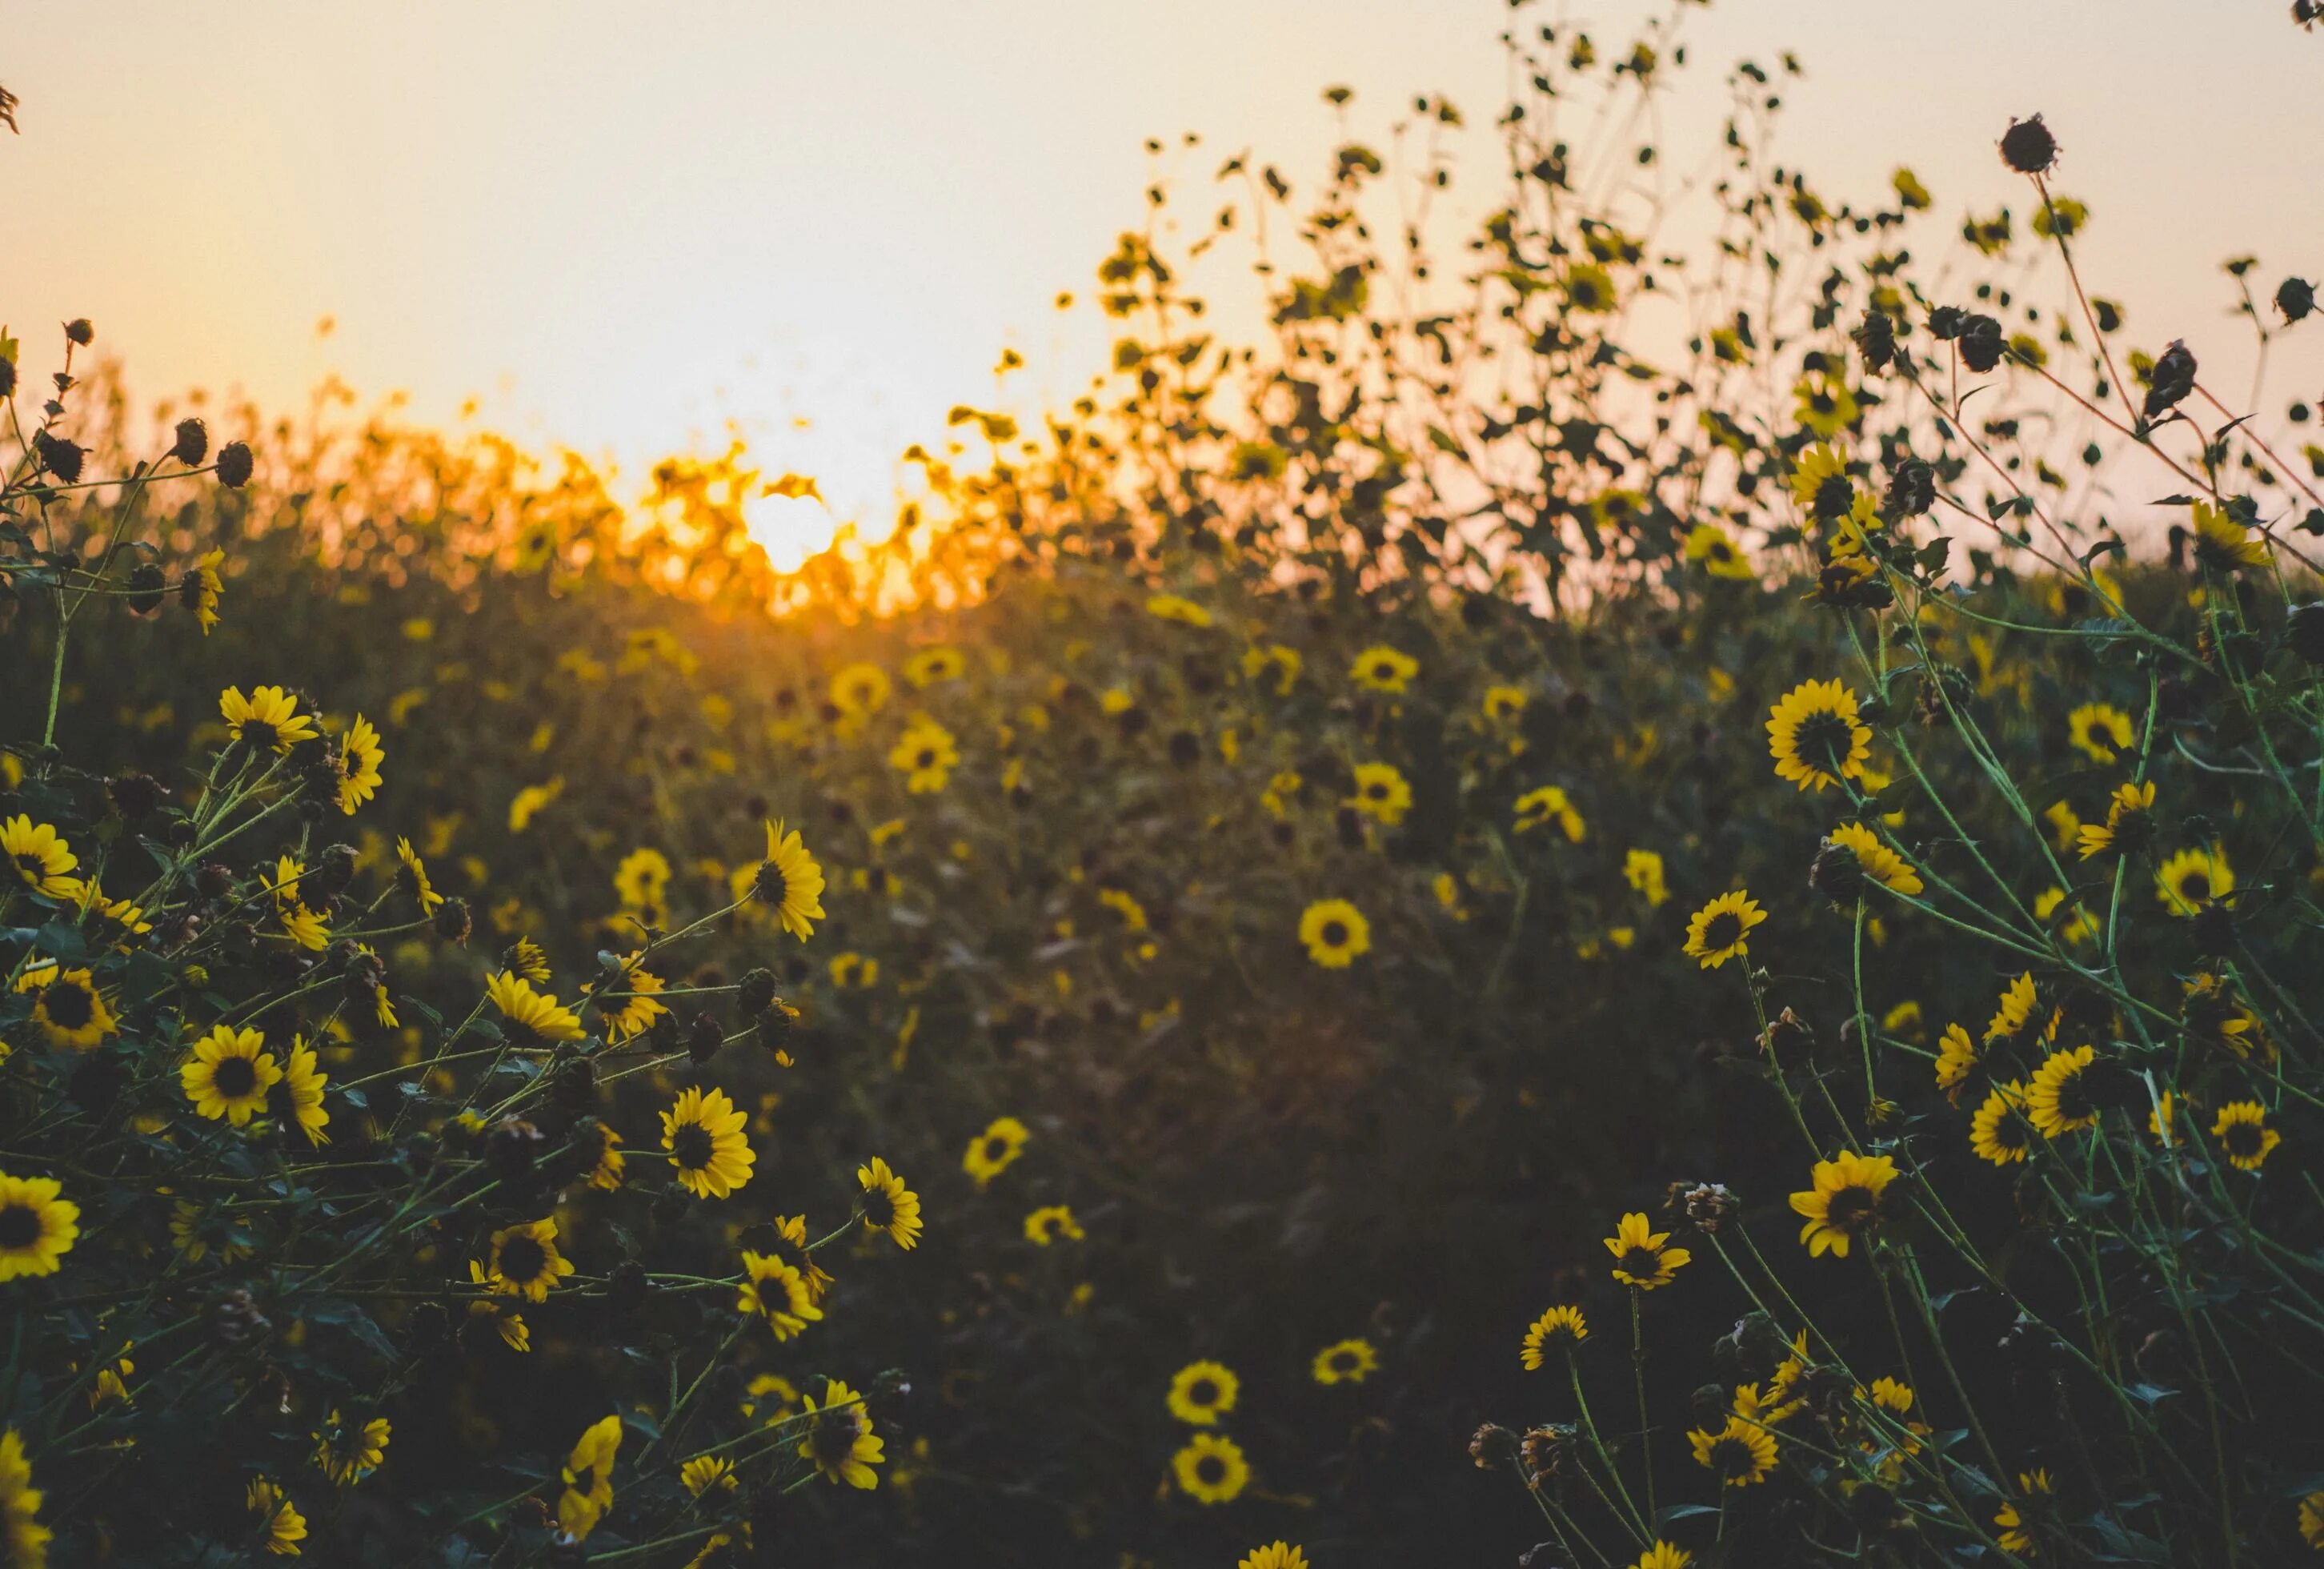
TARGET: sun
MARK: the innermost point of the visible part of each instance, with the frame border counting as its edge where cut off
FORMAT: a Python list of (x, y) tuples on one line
[(789, 528)]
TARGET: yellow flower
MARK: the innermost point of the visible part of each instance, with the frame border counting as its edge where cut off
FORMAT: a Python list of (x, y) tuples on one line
[(1335, 932), (1347, 1361), (1714, 549), (268, 720), (1210, 1468), (2244, 1134), (525, 1262), (889, 1206), (994, 1150), (1825, 405), (1560, 1326), (710, 1151), (1274, 1555), (1285, 662), (531, 801), (634, 992), (1383, 668), (1046, 1224), (589, 1478), (2224, 544), (2129, 811), (1640, 1257), (1170, 607), (774, 1289), (1820, 484), (699, 1474), (1816, 737), (2018, 1518), (1381, 792), (414, 877), (839, 1439), (27, 1539), (1740, 1452), (925, 755), (303, 1084), (37, 1226), (2100, 729), (1202, 1392), (641, 882), (1998, 1130), (360, 755), (2059, 1100), (66, 1005), (227, 1075), (1504, 703), (860, 690), (1880, 863), (929, 666), (1718, 931), (203, 589), (1844, 1202), (1663, 1556), (284, 1526), (1643, 871), (348, 1454), (2190, 881), (790, 883), (530, 1017), (1548, 804), (40, 857), (2311, 1521)]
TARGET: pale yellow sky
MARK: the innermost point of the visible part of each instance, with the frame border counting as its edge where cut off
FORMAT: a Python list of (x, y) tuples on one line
[(623, 225)]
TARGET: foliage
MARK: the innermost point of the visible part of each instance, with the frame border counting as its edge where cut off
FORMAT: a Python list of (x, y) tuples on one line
[(1278, 823)]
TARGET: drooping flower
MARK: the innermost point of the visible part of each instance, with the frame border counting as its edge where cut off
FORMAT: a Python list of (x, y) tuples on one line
[(589, 1478), (347, 1453), (530, 1017), (360, 755), (283, 1527), (1560, 1326), (1879, 861)]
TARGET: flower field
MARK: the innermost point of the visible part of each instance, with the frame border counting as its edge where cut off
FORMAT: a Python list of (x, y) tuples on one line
[(1642, 904)]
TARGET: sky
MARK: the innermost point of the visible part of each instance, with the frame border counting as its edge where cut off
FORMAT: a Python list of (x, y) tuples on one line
[(624, 228)]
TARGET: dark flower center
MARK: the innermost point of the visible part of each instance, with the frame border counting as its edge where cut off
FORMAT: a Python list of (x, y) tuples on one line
[(927, 758), (1851, 1208), (2100, 736), (879, 1208), (2195, 887), (1824, 740), (996, 1148), (34, 868), (67, 1004), (835, 1433), (524, 1259), (234, 1077), (1723, 931), (1203, 1392), (1640, 1263), (693, 1146), (770, 884), (1376, 790), (19, 1228), (1731, 1457), (258, 733), (1834, 496), (1335, 933), (2242, 1139), (2074, 1102), (1210, 1471)]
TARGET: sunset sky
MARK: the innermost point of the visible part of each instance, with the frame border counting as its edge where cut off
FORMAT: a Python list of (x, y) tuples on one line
[(623, 227)]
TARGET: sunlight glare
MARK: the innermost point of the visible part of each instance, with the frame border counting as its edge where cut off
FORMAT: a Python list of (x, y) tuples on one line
[(789, 528)]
